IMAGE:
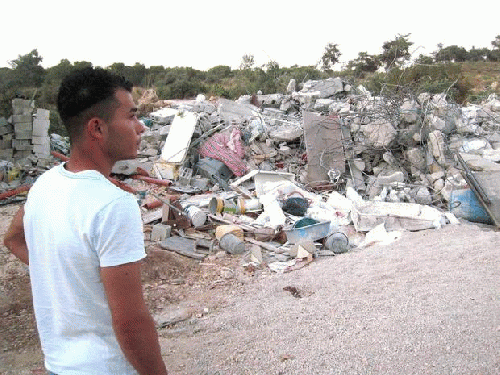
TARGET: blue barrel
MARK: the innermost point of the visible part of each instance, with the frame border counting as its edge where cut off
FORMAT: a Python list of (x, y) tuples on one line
[(464, 204)]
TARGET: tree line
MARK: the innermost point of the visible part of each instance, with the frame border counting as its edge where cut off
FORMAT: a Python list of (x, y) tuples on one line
[(26, 77), (396, 53)]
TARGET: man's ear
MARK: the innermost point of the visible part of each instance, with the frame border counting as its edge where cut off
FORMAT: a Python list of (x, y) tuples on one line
[(96, 129)]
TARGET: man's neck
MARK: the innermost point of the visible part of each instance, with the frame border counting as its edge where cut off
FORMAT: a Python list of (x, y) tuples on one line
[(82, 160)]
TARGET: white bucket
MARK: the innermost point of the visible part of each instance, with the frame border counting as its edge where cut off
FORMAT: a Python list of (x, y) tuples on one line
[(197, 216)]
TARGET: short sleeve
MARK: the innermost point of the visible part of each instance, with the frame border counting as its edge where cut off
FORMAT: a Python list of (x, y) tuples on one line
[(119, 237)]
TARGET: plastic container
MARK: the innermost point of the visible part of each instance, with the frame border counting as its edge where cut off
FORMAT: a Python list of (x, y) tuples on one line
[(464, 204), (312, 232)]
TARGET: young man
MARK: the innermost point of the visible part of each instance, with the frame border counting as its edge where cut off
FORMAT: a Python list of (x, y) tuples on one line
[(82, 238)]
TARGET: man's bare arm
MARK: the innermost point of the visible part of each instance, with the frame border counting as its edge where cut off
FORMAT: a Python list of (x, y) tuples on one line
[(133, 325), (14, 239)]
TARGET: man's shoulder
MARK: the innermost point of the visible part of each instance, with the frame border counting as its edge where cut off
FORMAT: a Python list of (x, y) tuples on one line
[(88, 188)]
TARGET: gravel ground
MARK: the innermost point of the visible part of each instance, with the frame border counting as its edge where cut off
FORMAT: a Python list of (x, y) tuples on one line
[(426, 304)]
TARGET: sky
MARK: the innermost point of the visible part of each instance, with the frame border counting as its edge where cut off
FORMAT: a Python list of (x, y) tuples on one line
[(204, 34)]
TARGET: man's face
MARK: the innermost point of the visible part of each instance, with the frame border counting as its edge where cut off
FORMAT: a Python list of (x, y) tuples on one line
[(124, 129)]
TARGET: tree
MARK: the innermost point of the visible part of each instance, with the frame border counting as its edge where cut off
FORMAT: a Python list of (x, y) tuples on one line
[(477, 54), (136, 73), (117, 68), (452, 53), (424, 60), (247, 62), (330, 57), (364, 63), (56, 74), (82, 64), (27, 70), (494, 54), (396, 52), (496, 43), (218, 73)]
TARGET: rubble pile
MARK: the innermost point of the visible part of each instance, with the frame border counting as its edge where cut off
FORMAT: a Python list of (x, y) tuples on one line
[(284, 178)]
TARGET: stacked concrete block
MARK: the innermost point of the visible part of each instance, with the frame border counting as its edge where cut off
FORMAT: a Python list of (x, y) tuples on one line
[(28, 133), (41, 139), (22, 120), (6, 131)]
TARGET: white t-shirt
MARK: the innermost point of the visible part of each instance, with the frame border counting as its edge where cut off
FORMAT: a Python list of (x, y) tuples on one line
[(74, 224)]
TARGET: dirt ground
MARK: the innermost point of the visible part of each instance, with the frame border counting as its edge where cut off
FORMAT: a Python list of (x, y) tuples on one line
[(426, 304)]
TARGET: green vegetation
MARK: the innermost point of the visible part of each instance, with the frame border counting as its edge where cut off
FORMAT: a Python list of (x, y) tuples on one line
[(465, 75)]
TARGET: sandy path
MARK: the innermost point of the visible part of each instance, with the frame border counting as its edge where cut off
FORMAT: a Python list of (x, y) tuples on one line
[(427, 304)]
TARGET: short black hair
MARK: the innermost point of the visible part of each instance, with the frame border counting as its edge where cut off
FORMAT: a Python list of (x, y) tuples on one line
[(86, 93)]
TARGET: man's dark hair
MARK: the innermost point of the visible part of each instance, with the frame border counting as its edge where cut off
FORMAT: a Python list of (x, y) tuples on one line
[(87, 93)]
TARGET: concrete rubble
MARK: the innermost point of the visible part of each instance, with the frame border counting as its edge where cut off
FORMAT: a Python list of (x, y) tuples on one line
[(283, 178)]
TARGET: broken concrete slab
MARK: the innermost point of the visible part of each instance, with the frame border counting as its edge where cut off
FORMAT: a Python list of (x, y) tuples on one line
[(233, 112), (178, 139), (478, 163), (182, 246), (325, 152), (325, 88), (396, 216)]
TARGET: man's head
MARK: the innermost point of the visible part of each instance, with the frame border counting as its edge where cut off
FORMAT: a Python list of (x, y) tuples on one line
[(88, 93)]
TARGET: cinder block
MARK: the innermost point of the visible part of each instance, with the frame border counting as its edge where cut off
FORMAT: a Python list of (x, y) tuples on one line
[(40, 140), (6, 129), (23, 134), (41, 150), (22, 118), (160, 231), (22, 106), (21, 154), (23, 126), (42, 114), (40, 127), (5, 144), (22, 144), (6, 154)]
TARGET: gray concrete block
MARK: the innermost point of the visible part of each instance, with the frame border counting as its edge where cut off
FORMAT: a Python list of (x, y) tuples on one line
[(23, 134), (22, 118), (160, 231), (22, 144), (6, 129), (23, 126), (6, 153), (22, 106), (42, 114), (41, 150), (5, 144), (40, 140), (21, 154), (41, 127)]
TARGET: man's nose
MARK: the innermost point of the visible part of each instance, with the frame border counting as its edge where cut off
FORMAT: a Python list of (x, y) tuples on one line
[(141, 128)]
